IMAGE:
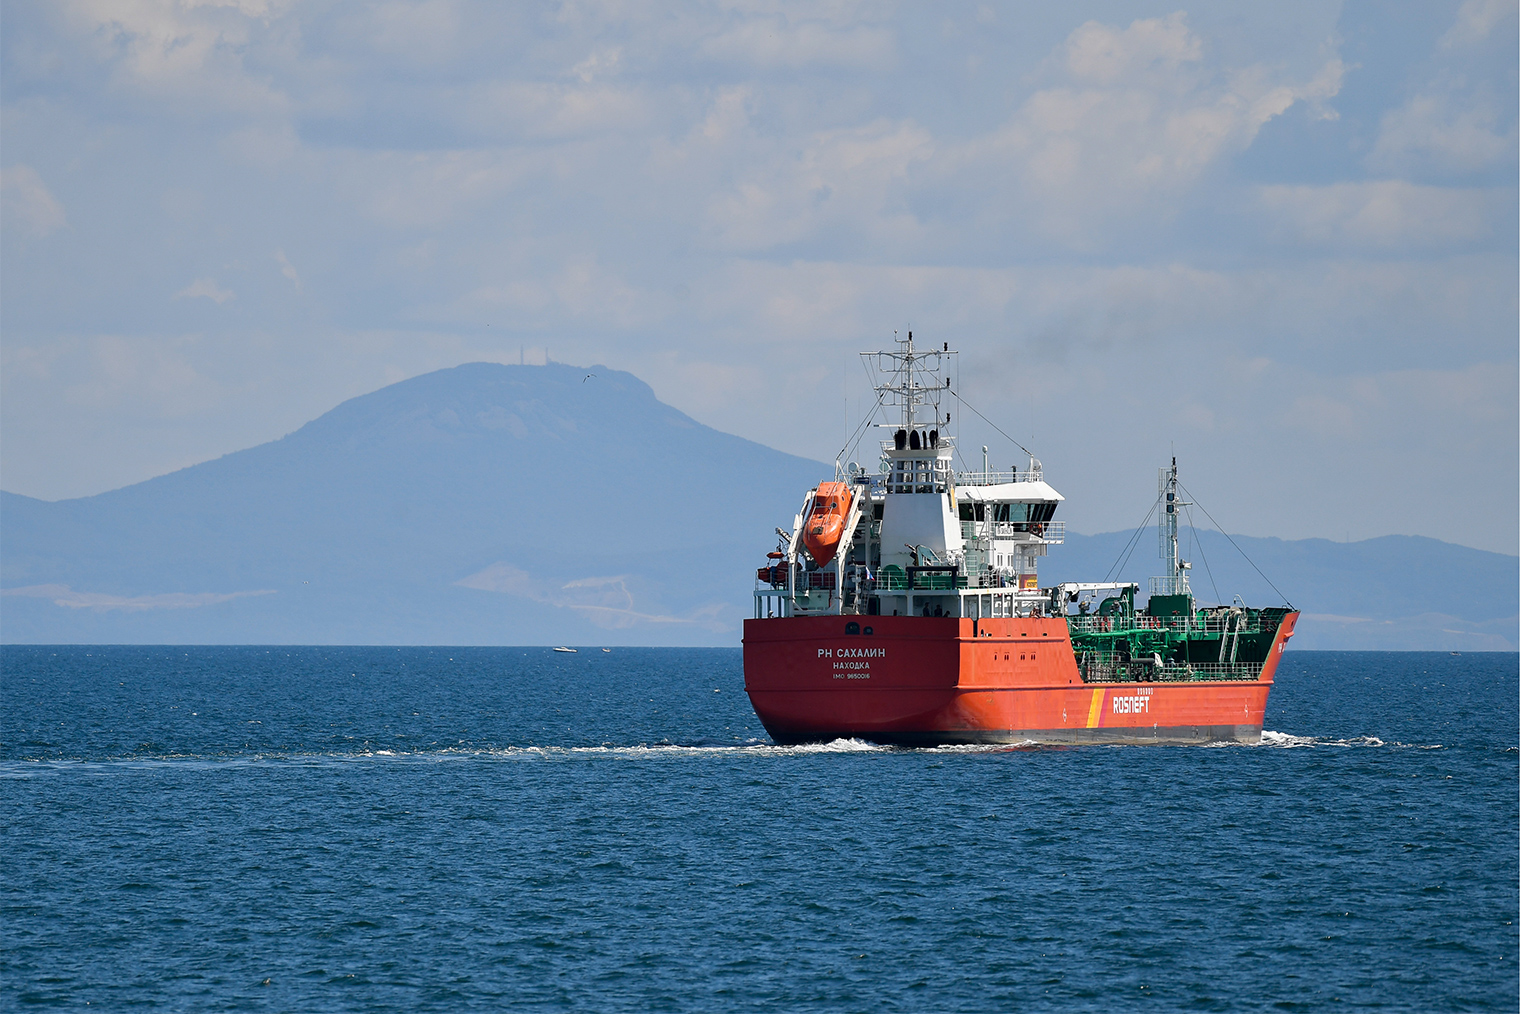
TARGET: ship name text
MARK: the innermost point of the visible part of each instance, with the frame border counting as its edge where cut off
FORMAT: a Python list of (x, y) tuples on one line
[(1132, 705), (852, 663)]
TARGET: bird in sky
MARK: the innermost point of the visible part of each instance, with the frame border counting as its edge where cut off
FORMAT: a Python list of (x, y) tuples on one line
[(587, 377)]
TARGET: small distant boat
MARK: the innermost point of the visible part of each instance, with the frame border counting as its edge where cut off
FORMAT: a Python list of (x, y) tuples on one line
[(562, 648), (607, 650)]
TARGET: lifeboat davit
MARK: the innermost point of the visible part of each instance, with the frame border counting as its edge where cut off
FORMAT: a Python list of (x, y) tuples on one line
[(825, 523)]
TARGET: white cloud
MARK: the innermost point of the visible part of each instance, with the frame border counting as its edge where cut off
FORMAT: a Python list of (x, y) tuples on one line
[(187, 54), (850, 179), (205, 287), (728, 114), (770, 42), (408, 190), (1105, 54), (426, 33), (552, 111), (601, 63), (1336, 312), (1133, 119), (1449, 133), (581, 289), (729, 199), (1457, 121), (1142, 119), (100, 602), (287, 269), (27, 202), (1476, 21), (141, 376), (1384, 214)]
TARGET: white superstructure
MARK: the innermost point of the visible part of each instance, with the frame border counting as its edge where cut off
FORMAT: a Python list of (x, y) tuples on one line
[(921, 537)]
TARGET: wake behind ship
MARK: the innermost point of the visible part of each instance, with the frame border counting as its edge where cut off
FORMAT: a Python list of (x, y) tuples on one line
[(905, 607)]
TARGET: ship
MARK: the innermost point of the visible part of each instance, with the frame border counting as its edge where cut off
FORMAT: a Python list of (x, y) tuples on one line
[(904, 607)]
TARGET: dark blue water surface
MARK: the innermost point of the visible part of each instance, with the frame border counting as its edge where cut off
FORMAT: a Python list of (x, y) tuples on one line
[(424, 829)]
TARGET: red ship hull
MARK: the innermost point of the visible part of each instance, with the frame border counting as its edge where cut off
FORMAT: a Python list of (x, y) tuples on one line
[(926, 680)]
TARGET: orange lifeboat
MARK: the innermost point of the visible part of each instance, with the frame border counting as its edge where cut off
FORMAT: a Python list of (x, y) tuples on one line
[(825, 523)]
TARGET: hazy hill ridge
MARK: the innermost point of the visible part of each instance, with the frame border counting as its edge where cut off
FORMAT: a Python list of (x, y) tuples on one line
[(484, 503), (1397, 592), (534, 504)]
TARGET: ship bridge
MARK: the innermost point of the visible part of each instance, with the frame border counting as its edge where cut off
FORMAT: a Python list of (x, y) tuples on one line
[(921, 538)]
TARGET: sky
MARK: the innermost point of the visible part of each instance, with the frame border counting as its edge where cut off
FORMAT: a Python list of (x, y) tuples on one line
[(1276, 240)]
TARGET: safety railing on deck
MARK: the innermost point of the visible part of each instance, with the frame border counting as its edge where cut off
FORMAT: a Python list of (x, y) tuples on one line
[(1049, 531), (892, 578), (1208, 623), (1102, 667), (996, 478)]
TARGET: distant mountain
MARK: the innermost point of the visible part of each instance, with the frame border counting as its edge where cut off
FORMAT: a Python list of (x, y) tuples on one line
[(480, 504), (1398, 592), (492, 504)]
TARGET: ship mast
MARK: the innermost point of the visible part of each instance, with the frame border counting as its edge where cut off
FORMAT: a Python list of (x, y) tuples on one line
[(1175, 582), (906, 370)]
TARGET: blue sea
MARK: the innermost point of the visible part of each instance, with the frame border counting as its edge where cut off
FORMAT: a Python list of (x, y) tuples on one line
[(450, 829)]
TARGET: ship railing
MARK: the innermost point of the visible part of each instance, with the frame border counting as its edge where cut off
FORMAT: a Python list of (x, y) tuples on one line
[(1052, 532), (1092, 623), (1108, 667), (894, 578), (1001, 579), (1174, 585), (991, 478), (809, 580)]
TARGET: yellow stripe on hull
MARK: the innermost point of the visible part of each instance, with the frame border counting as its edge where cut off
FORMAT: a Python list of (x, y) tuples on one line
[(1095, 712)]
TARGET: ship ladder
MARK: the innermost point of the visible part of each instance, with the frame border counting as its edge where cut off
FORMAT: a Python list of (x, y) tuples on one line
[(1234, 618)]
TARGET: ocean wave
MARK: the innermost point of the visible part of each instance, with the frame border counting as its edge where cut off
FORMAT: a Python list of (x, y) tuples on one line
[(1287, 740), (747, 748), (1023, 744), (32, 767), (638, 751)]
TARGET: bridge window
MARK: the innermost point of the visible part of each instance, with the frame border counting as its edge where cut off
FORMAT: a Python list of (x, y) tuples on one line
[(1011, 512)]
